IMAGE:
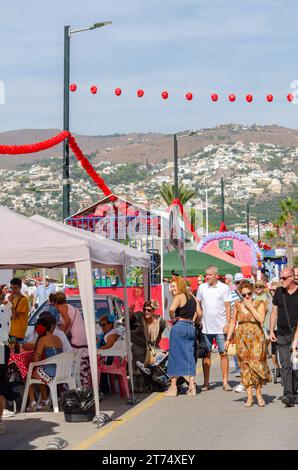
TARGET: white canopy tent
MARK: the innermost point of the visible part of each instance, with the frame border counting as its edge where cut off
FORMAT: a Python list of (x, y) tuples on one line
[(37, 242)]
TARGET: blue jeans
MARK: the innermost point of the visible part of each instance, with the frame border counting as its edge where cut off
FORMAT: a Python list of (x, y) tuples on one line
[(220, 339)]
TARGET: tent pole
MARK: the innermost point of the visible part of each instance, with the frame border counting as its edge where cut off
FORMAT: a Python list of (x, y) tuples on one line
[(128, 337)]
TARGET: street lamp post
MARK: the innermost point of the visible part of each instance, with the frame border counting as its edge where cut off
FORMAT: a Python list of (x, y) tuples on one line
[(65, 181), (247, 218), (222, 199), (176, 187)]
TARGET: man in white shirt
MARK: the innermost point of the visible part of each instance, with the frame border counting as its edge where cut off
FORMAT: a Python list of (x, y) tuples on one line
[(215, 300), (42, 292)]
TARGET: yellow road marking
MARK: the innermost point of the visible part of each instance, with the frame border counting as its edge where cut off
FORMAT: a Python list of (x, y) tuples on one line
[(85, 444), (115, 424)]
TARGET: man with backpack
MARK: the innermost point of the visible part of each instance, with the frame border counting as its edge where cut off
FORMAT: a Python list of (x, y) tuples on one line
[(285, 312)]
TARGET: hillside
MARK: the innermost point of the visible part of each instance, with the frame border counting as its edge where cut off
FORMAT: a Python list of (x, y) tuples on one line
[(138, 147)]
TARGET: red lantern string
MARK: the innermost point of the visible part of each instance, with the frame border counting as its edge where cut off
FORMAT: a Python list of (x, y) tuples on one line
[(73, 87), (118, 91), (189, 96), (232, 98), (93, 89), (165, 95), (290, 97), (249, 98), (269, 98), (140, 93), (214, 97), (186, 220)]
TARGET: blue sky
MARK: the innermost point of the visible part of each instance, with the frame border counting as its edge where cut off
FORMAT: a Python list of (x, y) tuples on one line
[(179, 45)]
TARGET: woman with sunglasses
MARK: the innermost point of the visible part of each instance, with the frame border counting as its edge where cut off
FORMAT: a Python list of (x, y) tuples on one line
[(146, 330), (250, 342)]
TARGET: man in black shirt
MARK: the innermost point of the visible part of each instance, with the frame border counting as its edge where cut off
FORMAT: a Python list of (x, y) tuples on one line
[(285, 311)]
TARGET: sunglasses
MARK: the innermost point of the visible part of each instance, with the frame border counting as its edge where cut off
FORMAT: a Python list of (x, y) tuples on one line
[(102, 325), (238, 282), (258, 286), (148, 310), (247, 294), (285, 278)]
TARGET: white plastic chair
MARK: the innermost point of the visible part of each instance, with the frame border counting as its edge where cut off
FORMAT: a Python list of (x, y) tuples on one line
[(119, 349), (66, 373)]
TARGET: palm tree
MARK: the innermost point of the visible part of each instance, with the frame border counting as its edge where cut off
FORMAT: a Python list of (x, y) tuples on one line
[(289, 208), (167, 192)]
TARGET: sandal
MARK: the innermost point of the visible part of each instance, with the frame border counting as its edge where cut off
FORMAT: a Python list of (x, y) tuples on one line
[(57, 444), (248, 404), (43, 406), (191, 392), (32, 407), (171, 392)]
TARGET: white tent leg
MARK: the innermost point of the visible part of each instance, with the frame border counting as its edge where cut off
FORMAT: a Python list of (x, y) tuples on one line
[(84, 273)]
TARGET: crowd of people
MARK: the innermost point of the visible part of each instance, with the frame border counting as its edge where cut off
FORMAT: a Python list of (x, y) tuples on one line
[(241, 312), (233, 310)]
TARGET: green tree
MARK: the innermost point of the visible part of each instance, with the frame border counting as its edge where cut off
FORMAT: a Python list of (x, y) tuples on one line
[(167, 192), (286, 219)]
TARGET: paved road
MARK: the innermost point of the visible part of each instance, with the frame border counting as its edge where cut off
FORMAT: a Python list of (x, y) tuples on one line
[(211, 420)]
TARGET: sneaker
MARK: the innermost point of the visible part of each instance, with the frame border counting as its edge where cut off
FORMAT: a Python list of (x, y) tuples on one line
[(8, 414), (141, 366), (239, 389), (2, 428)]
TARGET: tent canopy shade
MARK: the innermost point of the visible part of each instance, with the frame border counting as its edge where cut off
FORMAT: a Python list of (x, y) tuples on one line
[(196, 263), (27, 243)]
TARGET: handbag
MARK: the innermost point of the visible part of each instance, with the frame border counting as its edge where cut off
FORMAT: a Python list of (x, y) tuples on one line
[(231, 349), (201, 348), (69, 333), (150, 355)]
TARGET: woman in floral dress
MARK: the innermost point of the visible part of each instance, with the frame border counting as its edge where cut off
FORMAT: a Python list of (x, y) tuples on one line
[(250, 343)]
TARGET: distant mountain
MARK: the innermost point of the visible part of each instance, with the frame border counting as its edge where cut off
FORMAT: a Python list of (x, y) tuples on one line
[(152, 147)]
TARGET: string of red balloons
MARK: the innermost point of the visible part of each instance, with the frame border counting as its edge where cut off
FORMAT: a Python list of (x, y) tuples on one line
[(188, 96)]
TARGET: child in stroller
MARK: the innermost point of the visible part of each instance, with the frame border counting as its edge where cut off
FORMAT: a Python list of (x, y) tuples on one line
[(156, 376)]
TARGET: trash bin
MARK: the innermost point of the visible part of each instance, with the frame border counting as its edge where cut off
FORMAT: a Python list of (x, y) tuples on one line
[(78, 406)]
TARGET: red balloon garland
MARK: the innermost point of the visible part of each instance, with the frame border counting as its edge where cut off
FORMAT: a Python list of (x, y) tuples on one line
[(249, 98), (214, 97), (46, 144), (165, 95), (118, 91), (73, 87), (140, 93), (269, 98), (189, 96), (232, 98), (93, 89)]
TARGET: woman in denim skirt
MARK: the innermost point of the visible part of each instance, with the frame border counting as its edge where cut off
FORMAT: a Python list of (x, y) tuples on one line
[(184, 312)]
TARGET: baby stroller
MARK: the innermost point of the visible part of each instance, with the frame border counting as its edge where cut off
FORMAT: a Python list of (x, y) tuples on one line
[(156, 375)]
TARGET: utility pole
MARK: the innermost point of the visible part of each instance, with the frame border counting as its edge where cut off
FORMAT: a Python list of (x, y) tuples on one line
[(176, 187), (65, 180), (259, 231), (247, 218), (222, 200), (206, 210)]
